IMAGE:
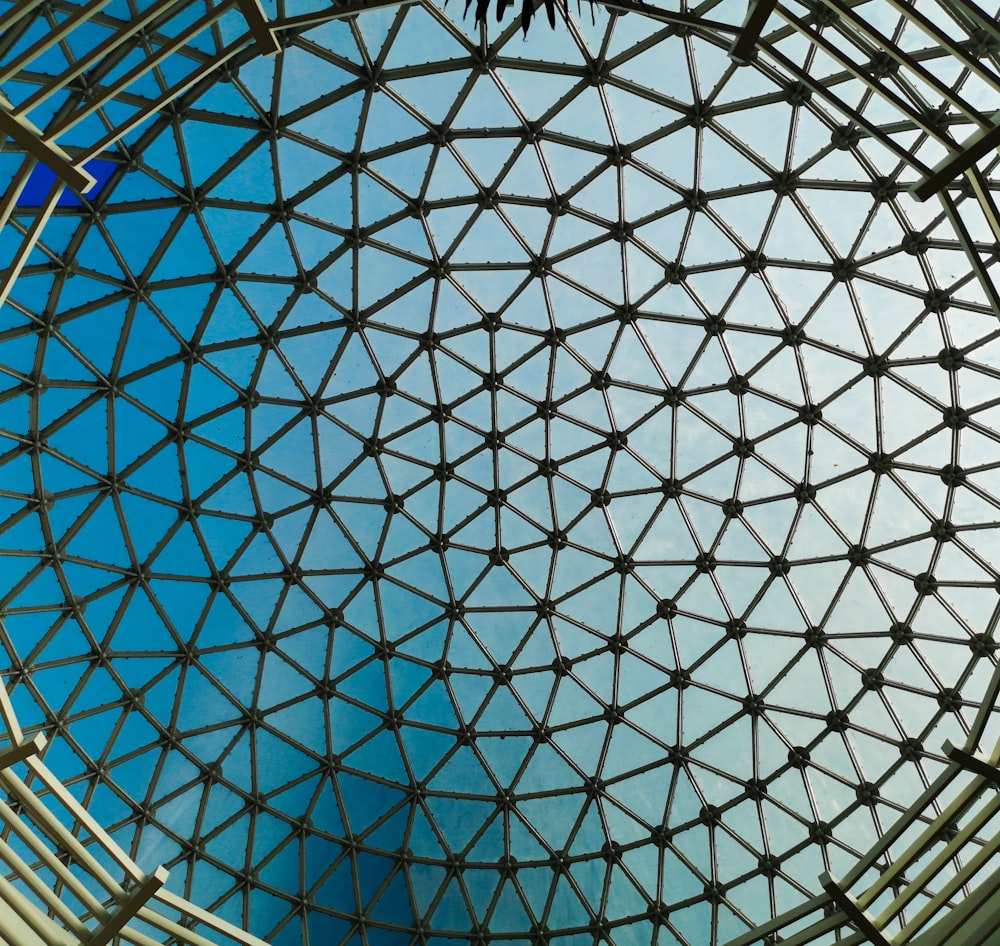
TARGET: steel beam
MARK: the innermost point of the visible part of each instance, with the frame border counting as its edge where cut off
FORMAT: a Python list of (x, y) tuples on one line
[(128, 910), (19, 751), (52, 38), (860, 918), (31, 139), (92, 58), (260, 28), (28, 244), (80, 904), (744, 47), (973, 761), (976, 146), (971, 253)]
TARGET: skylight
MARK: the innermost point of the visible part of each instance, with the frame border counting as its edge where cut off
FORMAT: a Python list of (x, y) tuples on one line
[(537, 489)]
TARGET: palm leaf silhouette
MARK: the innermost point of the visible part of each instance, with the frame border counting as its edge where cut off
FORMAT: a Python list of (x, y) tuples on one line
[(527, 10)]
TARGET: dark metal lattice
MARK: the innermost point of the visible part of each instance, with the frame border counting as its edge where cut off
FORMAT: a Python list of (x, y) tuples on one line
[(472, 489)]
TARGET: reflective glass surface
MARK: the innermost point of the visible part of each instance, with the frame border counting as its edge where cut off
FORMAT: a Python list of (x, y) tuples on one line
[(462, 489)]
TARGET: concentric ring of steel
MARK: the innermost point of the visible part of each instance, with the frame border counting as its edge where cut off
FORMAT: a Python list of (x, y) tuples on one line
[(548, 493)]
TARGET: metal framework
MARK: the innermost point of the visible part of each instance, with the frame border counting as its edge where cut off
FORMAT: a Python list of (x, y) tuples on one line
[(931, 876), (88, 86), (464, 489), (61, 888)]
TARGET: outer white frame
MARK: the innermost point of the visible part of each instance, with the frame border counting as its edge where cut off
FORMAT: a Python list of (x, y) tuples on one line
[(964, 910), (31, 824)]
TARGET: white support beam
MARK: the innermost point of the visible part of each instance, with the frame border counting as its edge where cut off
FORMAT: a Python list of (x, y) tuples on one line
[(744, 47), (21, 828), (861, 27), (979, 267), (943, 915), (90, 59), (42, 891), (33, 141), (28, 243), (128, 910), (976, 146), (207, 919), (31, 875), (953, 47), (796, 915), (7, 714), (52, 38), (19, 751), (260, 28), (152, 108), (23, 924), (973, 761), (934, 887), (970, 15), (861, 919), (17, 13), (176, 45)]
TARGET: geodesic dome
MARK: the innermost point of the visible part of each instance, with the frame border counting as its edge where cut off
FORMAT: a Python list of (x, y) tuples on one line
[(465, 488)]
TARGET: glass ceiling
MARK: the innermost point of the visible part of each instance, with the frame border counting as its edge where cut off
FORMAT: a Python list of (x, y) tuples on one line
[(459, 487)]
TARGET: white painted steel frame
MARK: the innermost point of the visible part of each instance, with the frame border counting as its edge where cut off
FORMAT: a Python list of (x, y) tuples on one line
[(745, 45), (943, 920), (138, 897), (42, 145)]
